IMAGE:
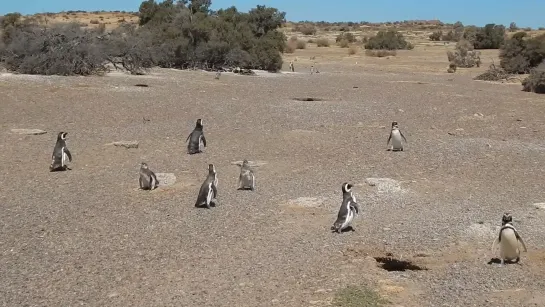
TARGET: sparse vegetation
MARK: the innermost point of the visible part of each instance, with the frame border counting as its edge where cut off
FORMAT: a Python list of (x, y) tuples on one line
[(520, 53), (347, 36), (305, 29), (352, 50), (343, 43), (179, 35), (493, 74), (436, 36), (94, 21), (322, 42), (535, 82), (389, 40), (464, 55), (380, 53), (301, 44), (358, 297)]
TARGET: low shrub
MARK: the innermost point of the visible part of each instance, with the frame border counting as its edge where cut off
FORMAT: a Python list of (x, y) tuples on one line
[(290, 47), (301, 44), (390, 40), (493, 74), (343, 43), (347, 36), (322, 42), (311, 41), (305, 29), (436, 36), (293, 39), (535, 82), (94, 22), (380, 53), (464, 55), (352, 50), (520, 53), (452, 68)]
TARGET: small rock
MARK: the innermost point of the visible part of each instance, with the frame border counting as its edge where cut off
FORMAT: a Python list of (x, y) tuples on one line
[(522, 127), (519, 119), (539, 206), (478, 115), (166, 179), (29, 131), (126, 144), (459, 129)]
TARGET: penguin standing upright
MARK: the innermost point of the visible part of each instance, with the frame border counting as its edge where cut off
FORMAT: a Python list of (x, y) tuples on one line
[(148, 179), (246, 179), (209, 189), (60, 154), (396, 136), (509, 241), (348, 211), (196, 139)]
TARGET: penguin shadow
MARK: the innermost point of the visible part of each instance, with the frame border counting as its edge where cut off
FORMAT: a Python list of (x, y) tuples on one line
[(203, 206), (495, 260), (394, 150), (347, 229)]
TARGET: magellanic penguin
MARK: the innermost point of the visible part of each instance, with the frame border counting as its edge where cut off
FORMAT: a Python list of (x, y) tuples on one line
[(348, 211), (61, 154), (209, 189), (509, 240), (396, 136), (196, 139), (148, 180), (246, 179)]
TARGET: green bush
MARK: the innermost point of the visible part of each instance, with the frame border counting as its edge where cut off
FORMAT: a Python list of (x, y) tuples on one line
[(491, 36), (436, 36), (464, 55), (535, 82), (178, 35), (347, 36), (390, 40), (322, 42), (520, 54)]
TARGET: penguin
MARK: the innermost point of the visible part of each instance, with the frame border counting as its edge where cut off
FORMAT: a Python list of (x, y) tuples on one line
[(508, 239), (246, 179), (196, 139), (348, 211), (209, 189), (60, 154), (148, 180), (218, 74), (396, 136)]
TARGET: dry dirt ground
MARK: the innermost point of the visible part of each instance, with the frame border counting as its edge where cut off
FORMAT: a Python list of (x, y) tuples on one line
[(89, 237)]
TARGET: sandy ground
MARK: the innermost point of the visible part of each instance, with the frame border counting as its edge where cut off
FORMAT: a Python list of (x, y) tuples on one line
[(89, 237)]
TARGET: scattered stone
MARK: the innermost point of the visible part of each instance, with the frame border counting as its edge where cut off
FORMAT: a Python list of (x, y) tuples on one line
[(384, 185), (126, 144), (29, 131), (306, 202), (539, 206), (250, 163), (166, 179)]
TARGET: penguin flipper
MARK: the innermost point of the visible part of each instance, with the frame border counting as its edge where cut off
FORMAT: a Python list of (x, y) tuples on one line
[(67, 152), (188, 137), (521, 241), (356, 207), (496, 241), (389, 138), (203, 140), (403, 136)]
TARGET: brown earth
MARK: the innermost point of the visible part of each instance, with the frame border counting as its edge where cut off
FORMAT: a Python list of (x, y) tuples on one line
[(89, 237)]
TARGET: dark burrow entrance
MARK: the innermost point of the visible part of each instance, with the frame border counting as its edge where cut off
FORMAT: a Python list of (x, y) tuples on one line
[(308, 99), (391, 264)]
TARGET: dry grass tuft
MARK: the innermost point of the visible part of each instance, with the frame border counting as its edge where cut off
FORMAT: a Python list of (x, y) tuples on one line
[(352, 50), (322, 42), (380, 53)]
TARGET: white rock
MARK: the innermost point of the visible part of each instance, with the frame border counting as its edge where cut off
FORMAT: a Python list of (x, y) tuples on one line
[(126, 144), (384, 185), (539, 205), (29, 131)]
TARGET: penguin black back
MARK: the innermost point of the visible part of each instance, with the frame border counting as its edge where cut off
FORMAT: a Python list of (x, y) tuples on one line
[(61, 154), (208, 191), (196, 139), (148, 179)]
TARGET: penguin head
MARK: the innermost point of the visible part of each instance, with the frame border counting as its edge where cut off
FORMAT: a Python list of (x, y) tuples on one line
[(507, 218), (143, 165), (347, 187), (211, 169), (395, 124), (245, 162), (62, 135), (199, 123)]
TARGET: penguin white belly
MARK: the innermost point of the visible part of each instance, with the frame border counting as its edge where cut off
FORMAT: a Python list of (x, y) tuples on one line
[(64, 157), (201, 144), (509, 245), (348, 220), (396, 140)]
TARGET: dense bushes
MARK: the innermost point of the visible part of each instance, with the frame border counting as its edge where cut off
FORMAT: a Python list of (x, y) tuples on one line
[(520, 54), (490, 37), (464, 55), (389, 40), (185, 34)]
